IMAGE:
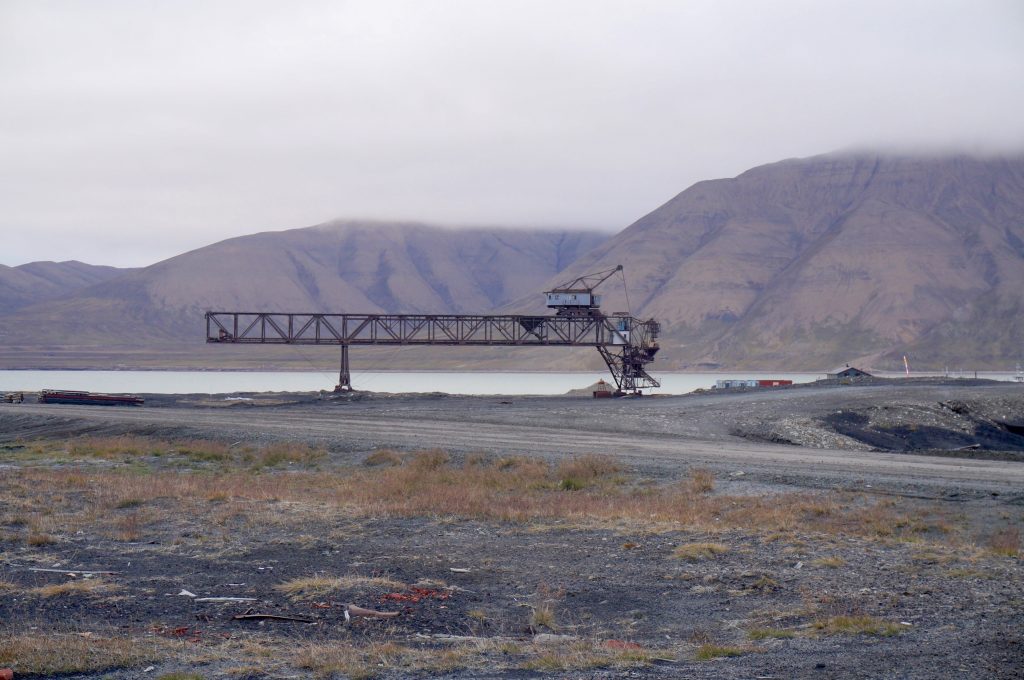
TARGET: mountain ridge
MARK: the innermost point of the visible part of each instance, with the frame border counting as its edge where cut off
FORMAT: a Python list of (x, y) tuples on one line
[(801, 264), (818, 261), (33, 282), (338, 266)]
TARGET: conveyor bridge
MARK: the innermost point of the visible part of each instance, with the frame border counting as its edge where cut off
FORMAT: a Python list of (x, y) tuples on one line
[(627, 344)]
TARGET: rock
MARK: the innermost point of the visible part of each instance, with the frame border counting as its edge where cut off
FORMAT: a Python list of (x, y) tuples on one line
[(552, 639)]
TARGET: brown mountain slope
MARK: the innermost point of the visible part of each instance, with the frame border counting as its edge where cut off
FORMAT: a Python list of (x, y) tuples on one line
[(333, 267), (38, 281), (810, 262)]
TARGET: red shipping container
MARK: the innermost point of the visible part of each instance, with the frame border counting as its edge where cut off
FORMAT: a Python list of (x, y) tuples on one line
[(773, 383)]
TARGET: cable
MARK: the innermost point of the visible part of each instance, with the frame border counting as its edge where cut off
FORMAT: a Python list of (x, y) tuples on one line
[(316, 367)]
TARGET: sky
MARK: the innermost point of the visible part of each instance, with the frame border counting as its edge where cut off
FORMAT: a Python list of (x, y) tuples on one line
[(134, 130)]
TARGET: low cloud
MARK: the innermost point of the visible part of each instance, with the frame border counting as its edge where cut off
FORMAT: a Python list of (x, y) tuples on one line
[(132, 131)]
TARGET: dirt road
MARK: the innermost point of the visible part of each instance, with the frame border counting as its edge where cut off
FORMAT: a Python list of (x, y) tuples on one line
[(663, 436)]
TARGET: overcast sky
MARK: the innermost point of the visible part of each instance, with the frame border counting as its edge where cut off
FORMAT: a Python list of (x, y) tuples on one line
[(132, 131)]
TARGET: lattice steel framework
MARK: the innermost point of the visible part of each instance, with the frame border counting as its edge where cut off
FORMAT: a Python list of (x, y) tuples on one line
[(627, 344)]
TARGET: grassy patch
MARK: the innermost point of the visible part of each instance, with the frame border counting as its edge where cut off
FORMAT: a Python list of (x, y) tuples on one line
[(543, 617), (1005, 542), (49, 655), (581, 655), (128, 448), (833, 562), (707, 652), (88, 586), (326, 660), (701, 481), (966, 572), (585, 471), (764, 583), (320, 586), (857, 625), (383, 457), (115, 447), (699, 551), (586, 491), (37, 539), (275, 455)]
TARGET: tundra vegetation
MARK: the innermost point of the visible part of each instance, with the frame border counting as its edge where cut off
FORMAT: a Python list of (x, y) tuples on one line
[(498, 563)]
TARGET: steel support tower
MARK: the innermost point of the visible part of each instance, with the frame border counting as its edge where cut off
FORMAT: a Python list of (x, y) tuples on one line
[(626, 344)]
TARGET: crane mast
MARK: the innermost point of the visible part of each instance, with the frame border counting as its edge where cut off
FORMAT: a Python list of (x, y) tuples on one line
[(626, 344)]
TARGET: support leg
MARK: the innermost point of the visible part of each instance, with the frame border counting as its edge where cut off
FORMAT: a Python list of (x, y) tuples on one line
[(627, 369), (344, 377)]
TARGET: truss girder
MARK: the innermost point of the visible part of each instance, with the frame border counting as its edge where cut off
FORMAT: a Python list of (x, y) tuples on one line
[(398, 329), (627, 344)]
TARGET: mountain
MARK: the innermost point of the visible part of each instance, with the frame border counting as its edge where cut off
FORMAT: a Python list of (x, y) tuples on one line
[(39, 281), (332, 267), (803, 264), (808, 263)]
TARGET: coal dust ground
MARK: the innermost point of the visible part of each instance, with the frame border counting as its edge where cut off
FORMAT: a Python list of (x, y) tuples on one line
[(870, 530)]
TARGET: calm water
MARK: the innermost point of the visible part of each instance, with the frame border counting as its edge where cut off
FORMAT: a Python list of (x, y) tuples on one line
[(171, 382)]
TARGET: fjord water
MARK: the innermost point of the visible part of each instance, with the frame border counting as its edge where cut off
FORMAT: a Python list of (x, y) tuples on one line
[(220, 382)]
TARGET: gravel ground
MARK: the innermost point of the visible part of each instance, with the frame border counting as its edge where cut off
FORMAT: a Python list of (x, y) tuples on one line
[(732, 432), (950, 611)]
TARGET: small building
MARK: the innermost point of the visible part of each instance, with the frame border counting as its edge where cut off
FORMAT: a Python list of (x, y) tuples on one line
[(849, 372), (726, 384), (733, 382)]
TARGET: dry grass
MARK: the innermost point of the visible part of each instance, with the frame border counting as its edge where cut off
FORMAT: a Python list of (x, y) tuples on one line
[(275, 455), (543, 617), (833, 562), (321, 586), (701, 481), (383, 457), (88, 586), (588, 491), (1005, 542), (585, 471), (115, 447), (856, 625), (40, 539), (543, 611), (583, 655), (48, 654), (385, 658), (351, 661), (708, 651), (699, 551), (194, 450)]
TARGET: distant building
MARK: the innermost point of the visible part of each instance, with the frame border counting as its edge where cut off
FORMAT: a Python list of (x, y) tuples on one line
[(726, 384), (849, 372)]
